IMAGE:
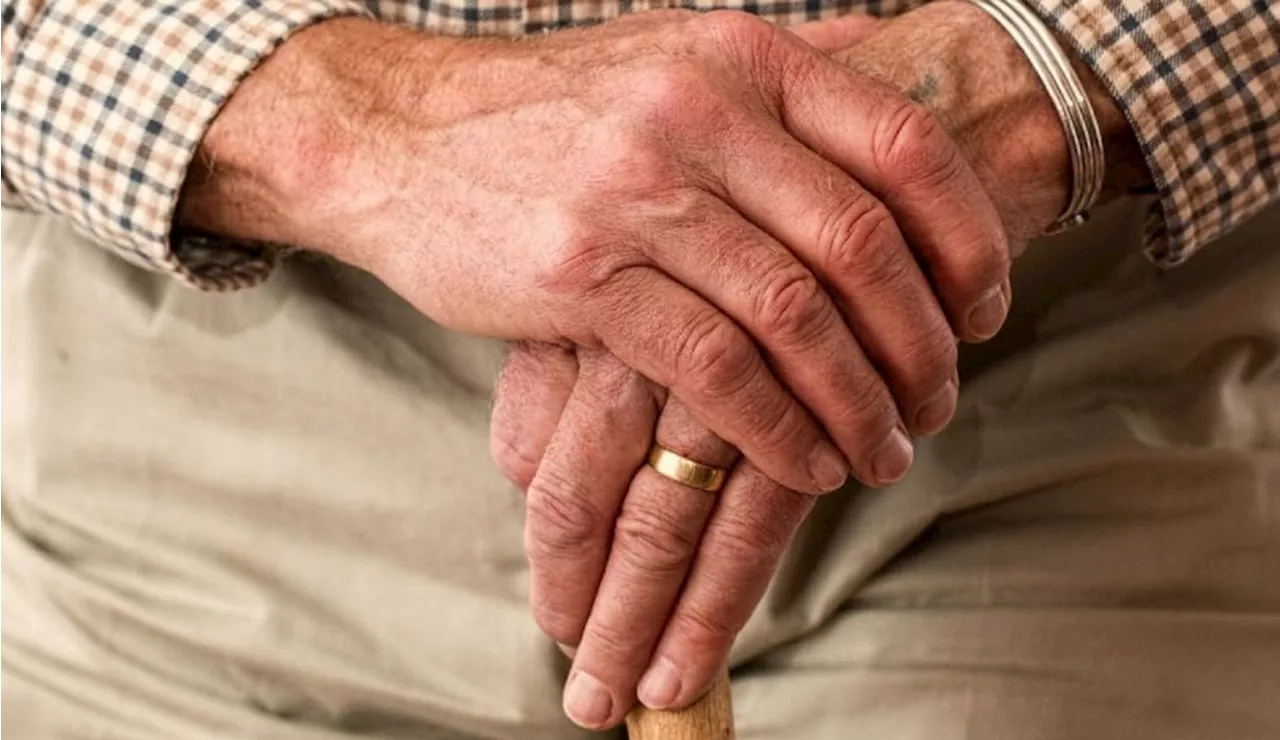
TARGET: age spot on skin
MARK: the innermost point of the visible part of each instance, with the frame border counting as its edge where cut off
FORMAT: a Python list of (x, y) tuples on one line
[(924, 90)]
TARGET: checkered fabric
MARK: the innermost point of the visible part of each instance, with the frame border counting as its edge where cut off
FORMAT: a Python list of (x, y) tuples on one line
[(106, 101), (1199, 81)]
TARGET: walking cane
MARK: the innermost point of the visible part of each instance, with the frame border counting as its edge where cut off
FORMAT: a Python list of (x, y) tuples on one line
[(709, 718)]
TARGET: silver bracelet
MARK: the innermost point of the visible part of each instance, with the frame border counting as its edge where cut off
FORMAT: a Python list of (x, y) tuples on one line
[(1084, 134)]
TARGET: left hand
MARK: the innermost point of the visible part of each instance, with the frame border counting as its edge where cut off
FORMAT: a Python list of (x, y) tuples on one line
[(572, 429), (661, 584)]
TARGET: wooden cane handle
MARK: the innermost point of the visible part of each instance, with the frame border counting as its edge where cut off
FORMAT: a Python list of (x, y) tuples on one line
[(709, 718)]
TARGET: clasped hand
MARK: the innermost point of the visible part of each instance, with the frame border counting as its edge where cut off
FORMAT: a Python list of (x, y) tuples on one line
[(852, 244), (699, 229)]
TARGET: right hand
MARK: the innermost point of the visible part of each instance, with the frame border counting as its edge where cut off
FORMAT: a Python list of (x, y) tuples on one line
[(706, 197)]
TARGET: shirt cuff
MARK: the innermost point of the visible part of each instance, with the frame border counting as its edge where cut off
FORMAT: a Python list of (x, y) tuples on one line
[(1193, 79), (107, 104)]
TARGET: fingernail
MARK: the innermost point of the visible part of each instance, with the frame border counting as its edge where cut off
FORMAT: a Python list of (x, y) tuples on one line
[(828, 467), (660, 685), (936, 412), (586, 701), (892, 459), (986, 317), (568, 650)]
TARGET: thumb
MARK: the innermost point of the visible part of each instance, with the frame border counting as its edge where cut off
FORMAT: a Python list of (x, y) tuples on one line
[(835, 34)]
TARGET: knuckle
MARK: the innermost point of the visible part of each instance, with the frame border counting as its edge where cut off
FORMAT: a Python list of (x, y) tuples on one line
[(613, 640), (765, 53), (573, 259), (579, 258), (859, 235), (891, 270), (712, 351), (870, 401), (914, 146), (775, 431), (704, 627), (560, 518), (673, 218), (670, 94), (634, 162), (793, 308), (606, 385), (923, 362), (750, 546), (653, 542), (935, 350)]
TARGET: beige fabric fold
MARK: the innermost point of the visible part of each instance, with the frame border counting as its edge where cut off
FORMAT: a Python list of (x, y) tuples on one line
[(272, 515)]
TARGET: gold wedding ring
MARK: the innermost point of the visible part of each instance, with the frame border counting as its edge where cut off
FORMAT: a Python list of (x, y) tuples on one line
[(685, 471)]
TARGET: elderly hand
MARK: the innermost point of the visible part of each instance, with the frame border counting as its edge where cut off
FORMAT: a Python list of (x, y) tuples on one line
[(646, 576), (719, 205), (625, 547)]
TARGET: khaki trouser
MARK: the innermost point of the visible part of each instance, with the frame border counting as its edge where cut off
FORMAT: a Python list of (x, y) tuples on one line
[(272, 515)]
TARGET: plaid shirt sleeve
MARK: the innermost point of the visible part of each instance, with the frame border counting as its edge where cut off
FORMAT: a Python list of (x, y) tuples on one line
[(105, 102), (1199, 81)]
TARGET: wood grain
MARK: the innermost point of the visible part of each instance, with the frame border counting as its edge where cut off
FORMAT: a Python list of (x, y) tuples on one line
[(709, 718)]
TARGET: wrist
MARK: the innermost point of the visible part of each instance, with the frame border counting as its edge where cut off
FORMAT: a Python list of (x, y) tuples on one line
[(965, 67), (296, 145)]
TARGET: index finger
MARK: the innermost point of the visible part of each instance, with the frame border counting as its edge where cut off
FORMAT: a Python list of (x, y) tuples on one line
[(654, 541)]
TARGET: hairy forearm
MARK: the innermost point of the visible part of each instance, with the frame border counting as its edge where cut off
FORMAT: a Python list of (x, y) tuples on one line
[(284, 159)]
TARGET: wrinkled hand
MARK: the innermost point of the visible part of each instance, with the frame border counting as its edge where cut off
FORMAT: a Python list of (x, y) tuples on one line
[(954, 59), (625, 547), (716, 203), (645, 576)]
